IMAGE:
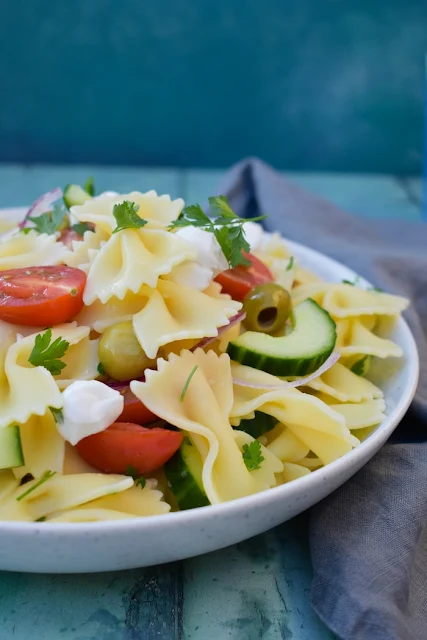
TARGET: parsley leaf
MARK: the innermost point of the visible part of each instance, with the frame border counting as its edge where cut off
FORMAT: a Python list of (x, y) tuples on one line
[(353, 283), (290, 263), (26, 230), (81, 228), (362, 366), (193, 215), (226, 226), (187, 382), (252, 456), (45, 354), (101, 369), (127, 217), (57, 414), (377, 289), (51, 221), (131, 471), (46, 476), (89, 186)]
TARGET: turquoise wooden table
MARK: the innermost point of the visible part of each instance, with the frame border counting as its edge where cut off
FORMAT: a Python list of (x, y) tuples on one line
[(259, 589)]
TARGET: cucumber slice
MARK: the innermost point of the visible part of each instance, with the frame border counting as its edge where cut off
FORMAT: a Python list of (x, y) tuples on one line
[(262, 423), (299, 353), (10, 447), (362, 367), (184, 474), (74, 194)]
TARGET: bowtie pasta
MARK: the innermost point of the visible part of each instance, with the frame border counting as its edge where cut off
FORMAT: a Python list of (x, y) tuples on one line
[(139, 375)]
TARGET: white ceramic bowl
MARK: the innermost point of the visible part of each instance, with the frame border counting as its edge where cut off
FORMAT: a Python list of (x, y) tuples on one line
[(73, 548)]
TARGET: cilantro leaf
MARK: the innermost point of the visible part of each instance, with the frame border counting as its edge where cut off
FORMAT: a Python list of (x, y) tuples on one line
[(232, 241), (252, 456), (81, 228), (89, 186), (51, 221), (187, 382), (377, 289), (131, 471), (290, 264), (58, 415), (100, 369), (127, 217), (46, 476), (45, 354)]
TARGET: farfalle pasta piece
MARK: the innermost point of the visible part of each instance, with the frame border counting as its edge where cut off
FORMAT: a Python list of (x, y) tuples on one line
[(344, 385), (148, 501), (359, 340), (132, 258), (42, 446), (319, 427), (274, 253), (32, 249), (159, 211), (24, 390), (174, 312), (347, 301), (293, 471), (84, 251), (89, 515), (362, 414), (203, 414), (60, 493), (316, 290), (81, 358), (286, 445), (99, 316)]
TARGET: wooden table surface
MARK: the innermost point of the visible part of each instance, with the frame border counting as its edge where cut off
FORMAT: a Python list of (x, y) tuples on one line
[(259, 589)]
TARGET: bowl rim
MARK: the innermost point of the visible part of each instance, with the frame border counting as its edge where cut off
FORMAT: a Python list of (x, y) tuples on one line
[(276, 494)]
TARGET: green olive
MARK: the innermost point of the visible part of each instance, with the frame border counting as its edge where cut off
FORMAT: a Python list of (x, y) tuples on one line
[(121, 354), (268, 307)]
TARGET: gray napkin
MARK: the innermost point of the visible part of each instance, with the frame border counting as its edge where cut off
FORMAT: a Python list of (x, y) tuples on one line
[(368, 539)]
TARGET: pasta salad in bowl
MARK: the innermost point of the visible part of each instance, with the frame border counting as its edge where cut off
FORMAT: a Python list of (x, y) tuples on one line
[(155, 360)]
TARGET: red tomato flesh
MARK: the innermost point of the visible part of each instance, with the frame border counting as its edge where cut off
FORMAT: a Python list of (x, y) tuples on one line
[(41, 296), (134, 410), (125, 445), (239, 281)]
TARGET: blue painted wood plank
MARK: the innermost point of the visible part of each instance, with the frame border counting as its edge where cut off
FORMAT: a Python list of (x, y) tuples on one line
[(143, 604), (368, 196), (256, 589), (20, 185)]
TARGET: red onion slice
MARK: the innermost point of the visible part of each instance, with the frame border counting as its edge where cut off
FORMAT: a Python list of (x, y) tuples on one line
[(239, 317), (42, 204), (294, 383)]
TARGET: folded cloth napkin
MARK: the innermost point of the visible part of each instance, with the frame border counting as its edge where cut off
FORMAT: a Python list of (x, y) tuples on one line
[(369, 538)]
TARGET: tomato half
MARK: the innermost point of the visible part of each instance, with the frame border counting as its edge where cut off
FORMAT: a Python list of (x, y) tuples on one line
[(126, 445), (134, 410), (239, 281), (41, 296)]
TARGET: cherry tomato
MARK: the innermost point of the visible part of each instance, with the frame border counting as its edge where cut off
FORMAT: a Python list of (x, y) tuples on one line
[(125, 445), (134, 410), (41, 296), (239, 281)]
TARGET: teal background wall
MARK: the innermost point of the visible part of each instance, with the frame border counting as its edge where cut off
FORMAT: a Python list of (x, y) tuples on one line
[(307, 85)]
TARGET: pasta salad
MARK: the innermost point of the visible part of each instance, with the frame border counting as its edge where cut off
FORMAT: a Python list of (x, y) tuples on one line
[(153, 358)]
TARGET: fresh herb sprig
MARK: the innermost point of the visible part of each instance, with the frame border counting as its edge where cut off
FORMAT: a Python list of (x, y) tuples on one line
[(226, 226), (47, 354), (81, 227), (252, 455), (45, 477), (131, 471), (290, 263), (187, 382), (58, 415), (126, 215), (49, 222)]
